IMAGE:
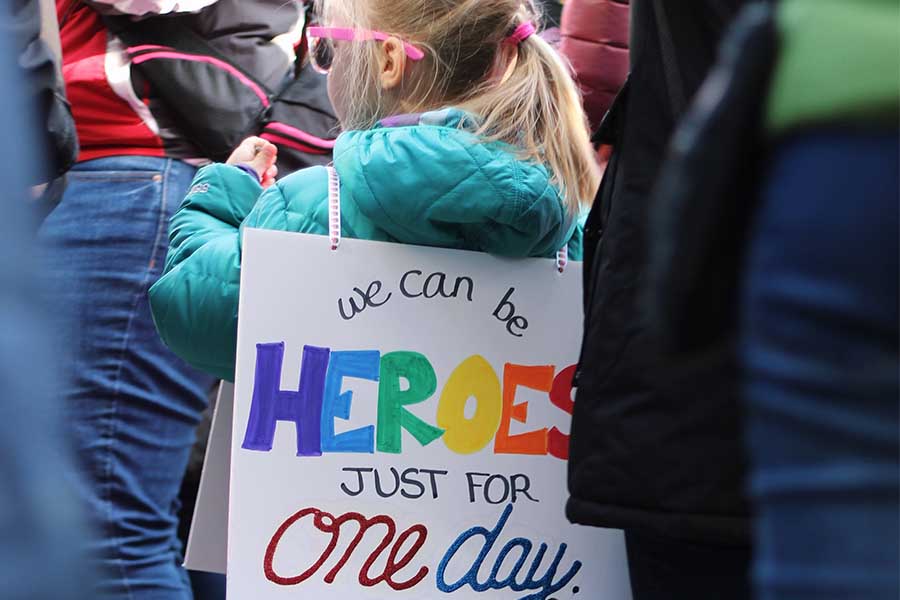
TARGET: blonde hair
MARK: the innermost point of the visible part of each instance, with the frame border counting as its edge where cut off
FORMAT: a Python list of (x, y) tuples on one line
[(535, 106)]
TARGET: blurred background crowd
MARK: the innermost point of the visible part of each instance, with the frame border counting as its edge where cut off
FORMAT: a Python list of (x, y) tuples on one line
[(738, 404)]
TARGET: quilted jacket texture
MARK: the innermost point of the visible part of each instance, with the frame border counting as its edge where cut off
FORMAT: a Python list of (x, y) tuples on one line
[(431, 182)]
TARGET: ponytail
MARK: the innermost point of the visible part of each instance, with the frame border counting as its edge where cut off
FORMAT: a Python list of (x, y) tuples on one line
[(535, 105), (538, 108)]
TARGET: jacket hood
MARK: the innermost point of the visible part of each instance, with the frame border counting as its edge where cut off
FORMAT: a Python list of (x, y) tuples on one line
[(430, 170)]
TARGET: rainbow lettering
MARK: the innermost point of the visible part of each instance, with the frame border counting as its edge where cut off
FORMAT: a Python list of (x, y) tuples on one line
[(318, 401)]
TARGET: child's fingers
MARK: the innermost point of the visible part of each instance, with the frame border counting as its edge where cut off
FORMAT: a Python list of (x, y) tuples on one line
[(264, 158), (247, 150), (258, 154), (269, 177), (256, 142), (269, 151)]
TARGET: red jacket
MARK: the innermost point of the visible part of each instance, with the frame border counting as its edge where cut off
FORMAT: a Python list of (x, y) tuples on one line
[(595, 40), (116, 114)]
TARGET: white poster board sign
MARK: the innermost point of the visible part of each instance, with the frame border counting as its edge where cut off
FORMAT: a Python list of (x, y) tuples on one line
[(400, 427)]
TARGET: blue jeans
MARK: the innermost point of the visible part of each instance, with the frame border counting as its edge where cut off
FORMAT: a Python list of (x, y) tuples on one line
[(819, 347), (132, 405)]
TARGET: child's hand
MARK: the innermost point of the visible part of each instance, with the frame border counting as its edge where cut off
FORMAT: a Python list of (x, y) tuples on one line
[(259, 155)]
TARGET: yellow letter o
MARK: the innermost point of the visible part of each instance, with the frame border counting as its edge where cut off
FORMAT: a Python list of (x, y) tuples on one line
[(474, 377)]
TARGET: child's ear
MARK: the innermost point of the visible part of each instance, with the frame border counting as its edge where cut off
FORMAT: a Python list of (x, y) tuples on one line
[(393, 63)]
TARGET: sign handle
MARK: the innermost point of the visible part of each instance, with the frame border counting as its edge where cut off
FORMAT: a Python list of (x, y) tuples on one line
[(334, 208), (562, 258)]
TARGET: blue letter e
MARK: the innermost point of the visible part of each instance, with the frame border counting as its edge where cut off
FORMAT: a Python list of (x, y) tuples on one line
[(362, 364)]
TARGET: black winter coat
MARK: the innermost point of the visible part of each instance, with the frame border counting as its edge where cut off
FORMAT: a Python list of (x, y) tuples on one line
[(653, 449)]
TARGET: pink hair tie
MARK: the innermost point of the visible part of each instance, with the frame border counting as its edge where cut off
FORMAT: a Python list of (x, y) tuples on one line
[(522, 33)]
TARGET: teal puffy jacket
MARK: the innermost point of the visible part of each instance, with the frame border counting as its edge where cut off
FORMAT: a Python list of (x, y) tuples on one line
[(431, 182)]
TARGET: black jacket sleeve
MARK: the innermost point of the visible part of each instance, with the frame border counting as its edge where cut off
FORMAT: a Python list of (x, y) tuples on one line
[(45, 89)]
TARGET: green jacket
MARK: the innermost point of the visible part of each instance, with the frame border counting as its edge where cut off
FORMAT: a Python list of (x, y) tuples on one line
[(839, 62), (431, 182)]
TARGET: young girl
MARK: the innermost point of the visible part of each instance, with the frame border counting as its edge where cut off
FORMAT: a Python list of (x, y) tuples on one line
[(462, 129)]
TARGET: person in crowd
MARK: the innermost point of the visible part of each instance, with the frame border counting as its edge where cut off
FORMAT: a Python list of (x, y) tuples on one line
[(33, 25), (552, 12), (595, 40), (655, 450), (462, 129), (132, 405), (39, 526), (549, 27), (819, 309)]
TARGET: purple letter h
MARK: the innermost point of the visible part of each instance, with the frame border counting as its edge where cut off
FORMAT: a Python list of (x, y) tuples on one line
[(271, 404)]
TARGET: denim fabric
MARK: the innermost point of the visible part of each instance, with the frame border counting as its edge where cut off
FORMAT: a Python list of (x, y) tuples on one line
[(819, 347), (132, 405)]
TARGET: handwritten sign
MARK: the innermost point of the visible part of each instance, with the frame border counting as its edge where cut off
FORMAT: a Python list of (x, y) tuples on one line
[(401, 423)]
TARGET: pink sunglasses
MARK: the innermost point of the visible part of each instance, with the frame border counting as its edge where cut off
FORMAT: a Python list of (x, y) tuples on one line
[(321, 48)]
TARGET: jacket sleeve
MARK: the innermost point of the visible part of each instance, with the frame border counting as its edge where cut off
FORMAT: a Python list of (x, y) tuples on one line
[(35, 42), (595, 40), (194, 304), (139, 8)]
